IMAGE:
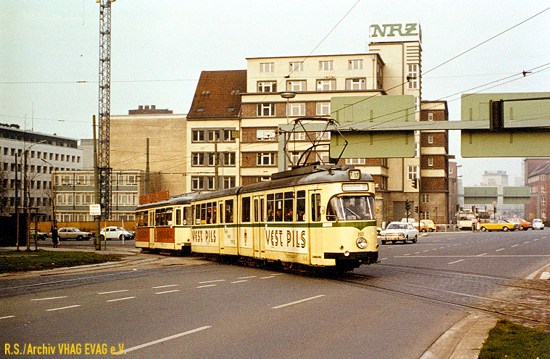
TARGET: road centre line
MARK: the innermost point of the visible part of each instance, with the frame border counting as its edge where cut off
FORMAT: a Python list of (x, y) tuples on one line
[(114, 291), (165, 286), (515, 245), (212, 281), (207, 286), (49, 298), (7, 317), (481, 255), (248, 277), (239, 281), (268, 277), (119, 299), (168, 291), (62, 308), (298, 302), (500, 249), (161, 340), (458, 261)]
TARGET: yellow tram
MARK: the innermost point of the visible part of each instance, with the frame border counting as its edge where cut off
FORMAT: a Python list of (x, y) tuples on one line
[(315, 216)]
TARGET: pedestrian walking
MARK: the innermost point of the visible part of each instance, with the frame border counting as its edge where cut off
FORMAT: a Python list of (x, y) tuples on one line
[(55, 237)]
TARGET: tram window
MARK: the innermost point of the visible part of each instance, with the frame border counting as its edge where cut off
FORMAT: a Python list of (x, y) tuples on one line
[(262, 210), (229, 211), (288, 206), (187, 215), (202, 216), (270, 207), (278, 207), (211, 213), (256, 214), (315, 207), (222, 213), (300, 206), (178, 217), (245, 209)]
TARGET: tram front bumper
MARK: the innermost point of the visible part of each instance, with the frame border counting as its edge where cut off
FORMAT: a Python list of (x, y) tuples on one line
[(363, 257)]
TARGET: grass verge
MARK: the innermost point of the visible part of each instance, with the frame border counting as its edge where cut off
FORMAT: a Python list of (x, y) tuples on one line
[(13, 261), (514, 341)]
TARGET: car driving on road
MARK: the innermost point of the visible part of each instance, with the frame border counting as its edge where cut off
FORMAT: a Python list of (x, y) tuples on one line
[(538, 224), (399, 231), (500, 225), (114, 232)]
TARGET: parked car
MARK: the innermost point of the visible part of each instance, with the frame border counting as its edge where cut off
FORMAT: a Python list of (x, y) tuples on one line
[(521, 223), (41, 236), (538, 224), (114, 232), (65, 233), (500, 225), (399, 231)]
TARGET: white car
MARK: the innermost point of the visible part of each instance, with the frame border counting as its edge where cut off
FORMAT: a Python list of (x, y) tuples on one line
[(399, 231), (537, 224), (113, 232)]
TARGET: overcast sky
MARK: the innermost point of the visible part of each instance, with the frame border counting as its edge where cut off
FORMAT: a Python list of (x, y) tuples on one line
[(49, 52)]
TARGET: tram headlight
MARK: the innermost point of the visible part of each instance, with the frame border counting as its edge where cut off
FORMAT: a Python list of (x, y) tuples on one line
[(361, 243)]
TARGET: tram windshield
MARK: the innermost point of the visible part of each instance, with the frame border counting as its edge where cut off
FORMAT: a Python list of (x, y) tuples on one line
[(351, 208)]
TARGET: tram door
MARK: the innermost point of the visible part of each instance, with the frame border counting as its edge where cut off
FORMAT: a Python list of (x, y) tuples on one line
[(258, 227)]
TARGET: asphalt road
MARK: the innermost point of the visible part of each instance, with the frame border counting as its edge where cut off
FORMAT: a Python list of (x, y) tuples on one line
[(396, 308)]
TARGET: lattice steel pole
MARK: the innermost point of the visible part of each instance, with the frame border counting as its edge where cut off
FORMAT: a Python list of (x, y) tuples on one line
[(104, 106)]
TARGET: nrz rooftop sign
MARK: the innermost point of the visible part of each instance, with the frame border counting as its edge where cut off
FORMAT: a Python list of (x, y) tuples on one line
[(396, 32)]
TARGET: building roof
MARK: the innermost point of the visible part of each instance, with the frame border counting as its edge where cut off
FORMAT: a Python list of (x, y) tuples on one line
[(217, 95), (542, 169)]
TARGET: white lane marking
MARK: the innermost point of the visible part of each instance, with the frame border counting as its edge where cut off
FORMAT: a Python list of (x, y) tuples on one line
[(515, 245), (500, 249), (62, 308), (269, 277), (526, 242), (119, 299), (165, 286), (49, 298), (168, 291), (383, 259), (161, 340), (482, 254), (458, 261), (7, 317), (114, 291), (249, 277), (212, 281), (297, 302), (545, 275), (239, 281), (207, 286)]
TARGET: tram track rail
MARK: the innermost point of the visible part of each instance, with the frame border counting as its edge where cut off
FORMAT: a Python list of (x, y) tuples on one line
[(524, 301)]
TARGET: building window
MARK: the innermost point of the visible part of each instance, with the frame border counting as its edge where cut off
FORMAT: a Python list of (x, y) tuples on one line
[(265, 135), (430, 116), (198, 135), (412, 172), (267, 66), (227, 182), (356, 161), (267, 86), (265, 159), (295, 66), (425, 198), (326, 65), (298, 136), (227, 158), (356, 64), (430, 139), (296, 85), (296, 109), (322, 108), (197, 159), (266, 110), (356, 84), (412, 76), (326, 85), (430, 161)]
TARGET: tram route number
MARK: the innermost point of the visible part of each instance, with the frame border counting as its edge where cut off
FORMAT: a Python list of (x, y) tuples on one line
[(204, 236), (286, 238)]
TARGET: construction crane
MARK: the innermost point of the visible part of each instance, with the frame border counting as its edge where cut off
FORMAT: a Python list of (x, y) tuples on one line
[(104, 109)]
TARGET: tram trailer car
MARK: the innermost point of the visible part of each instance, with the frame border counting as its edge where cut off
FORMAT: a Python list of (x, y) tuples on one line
[(165, 225), (316, 216)]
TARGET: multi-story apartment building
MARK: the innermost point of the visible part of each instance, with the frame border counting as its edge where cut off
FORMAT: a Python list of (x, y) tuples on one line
[(43, 154), (74, 193)]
